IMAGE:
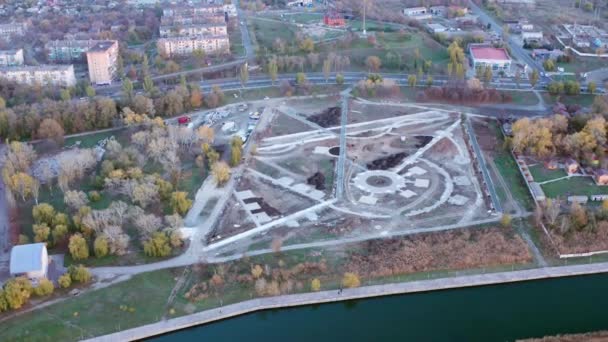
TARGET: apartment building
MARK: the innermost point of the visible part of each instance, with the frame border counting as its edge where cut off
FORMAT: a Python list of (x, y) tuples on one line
[(68, 51), (101, 59), (59, 75), (183, 46), (177, 20), (198, 10), (12, 29), (193, 30), (11, 57)]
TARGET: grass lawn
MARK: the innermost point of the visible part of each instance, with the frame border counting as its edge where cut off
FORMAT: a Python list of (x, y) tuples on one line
[(236, 42), (508, 169), (523, 98), (584, 100), (542, 174), (97, 312), (572, 187), (265, 31)]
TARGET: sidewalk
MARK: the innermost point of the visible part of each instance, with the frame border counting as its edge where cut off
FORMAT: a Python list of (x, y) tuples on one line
[(348, 294)]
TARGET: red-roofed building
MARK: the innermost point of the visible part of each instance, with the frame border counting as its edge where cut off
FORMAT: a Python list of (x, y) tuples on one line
[(483, 55), (334, 18)]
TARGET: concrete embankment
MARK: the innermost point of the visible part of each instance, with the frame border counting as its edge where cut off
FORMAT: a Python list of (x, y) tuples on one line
[(348, 294)]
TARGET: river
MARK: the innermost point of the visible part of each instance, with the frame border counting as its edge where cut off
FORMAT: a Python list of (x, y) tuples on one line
[(490, 313)]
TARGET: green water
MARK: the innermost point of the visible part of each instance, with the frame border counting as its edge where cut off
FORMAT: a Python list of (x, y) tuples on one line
[(490, 313)]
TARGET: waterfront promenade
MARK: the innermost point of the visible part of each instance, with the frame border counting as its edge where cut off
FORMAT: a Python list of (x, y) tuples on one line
[(349, 294)]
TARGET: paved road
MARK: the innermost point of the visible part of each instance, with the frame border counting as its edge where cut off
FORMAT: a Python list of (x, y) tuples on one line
[(484, 169), (516, 49), (249, 51)]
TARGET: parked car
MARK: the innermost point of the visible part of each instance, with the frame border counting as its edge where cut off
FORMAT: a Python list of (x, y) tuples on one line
[(183, 120)]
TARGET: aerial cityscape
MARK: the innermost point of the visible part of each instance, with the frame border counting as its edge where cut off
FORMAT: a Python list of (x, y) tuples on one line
[(418, 170)]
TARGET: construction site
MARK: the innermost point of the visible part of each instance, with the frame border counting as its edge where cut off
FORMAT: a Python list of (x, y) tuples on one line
[(334, 170)]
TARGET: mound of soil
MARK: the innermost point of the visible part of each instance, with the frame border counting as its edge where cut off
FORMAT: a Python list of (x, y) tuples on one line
[(423, 140), (264, 207), (318, 180), (387, 162), (327, 118)]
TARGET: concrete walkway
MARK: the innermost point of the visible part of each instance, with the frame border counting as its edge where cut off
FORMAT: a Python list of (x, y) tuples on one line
[(348, 294)]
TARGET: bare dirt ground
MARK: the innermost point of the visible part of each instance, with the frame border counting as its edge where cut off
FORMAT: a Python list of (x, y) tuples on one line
[(407, 170)]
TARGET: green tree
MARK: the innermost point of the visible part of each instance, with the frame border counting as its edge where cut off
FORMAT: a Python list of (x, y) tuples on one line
[(65, 281), (157, 245), (591, 87), (235, 156), (412, 80), (78, 247), (487, 75), (340, 79), (90, 91), (307, 45), (505, 221), (43, 213), (301, 78), (79, 274), (315, 285), (273, 70), (180, 202), (221, 173), (127, 90), (326, 69), (350, 280), (244, 75), (145, 67), (429, 81), (65, 95), (533, 76), (17, 292), (100, 246), (45, 287), (41, 232), (59, 232), (149, 85)]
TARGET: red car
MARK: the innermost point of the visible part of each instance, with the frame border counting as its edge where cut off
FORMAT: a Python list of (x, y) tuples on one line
[(182, 120)]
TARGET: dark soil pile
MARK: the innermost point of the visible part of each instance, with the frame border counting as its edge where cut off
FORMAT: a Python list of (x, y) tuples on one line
[(387, 162), (327, 118), (264, 207), (318, 180)]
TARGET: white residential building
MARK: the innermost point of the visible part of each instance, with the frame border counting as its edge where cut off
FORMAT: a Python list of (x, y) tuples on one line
[(59, 75), (183, 46), (11, 57), (193, 30)]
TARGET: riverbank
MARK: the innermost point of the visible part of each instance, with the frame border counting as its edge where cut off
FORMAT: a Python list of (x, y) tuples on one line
[(349, 294)]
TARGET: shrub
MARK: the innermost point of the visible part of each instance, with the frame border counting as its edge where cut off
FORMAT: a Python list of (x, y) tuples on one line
[(94, 196), (350, 280), (45, 287), (65, 280), (79, 273)]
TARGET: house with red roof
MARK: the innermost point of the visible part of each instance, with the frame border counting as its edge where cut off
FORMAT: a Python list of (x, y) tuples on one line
[(484, 55)]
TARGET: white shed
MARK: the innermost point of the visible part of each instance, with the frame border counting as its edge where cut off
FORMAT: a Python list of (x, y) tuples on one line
[(31, 260)]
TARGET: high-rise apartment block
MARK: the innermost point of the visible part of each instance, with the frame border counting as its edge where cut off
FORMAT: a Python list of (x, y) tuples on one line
[(101, 59)]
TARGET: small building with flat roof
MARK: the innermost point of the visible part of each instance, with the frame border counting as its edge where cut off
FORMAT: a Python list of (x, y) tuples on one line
[(484, 55), (30, 260)]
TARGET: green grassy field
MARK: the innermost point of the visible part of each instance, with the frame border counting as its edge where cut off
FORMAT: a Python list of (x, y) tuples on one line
[(573, 186), (510, 172), (97, 312), (523, 98), (542, 174), (584, 100)]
